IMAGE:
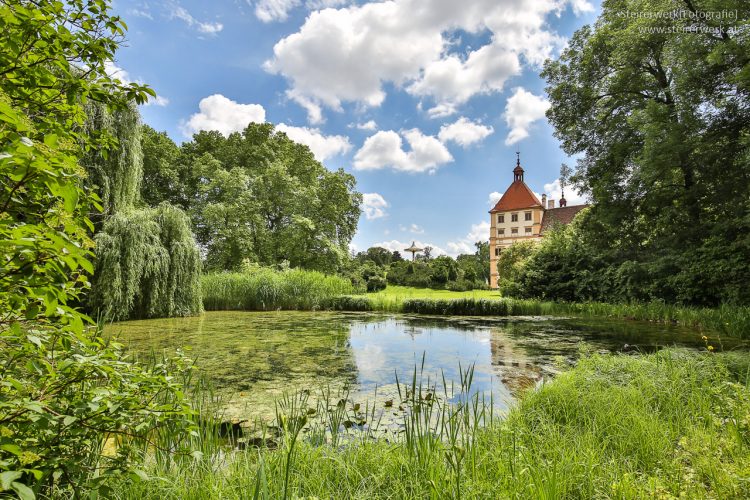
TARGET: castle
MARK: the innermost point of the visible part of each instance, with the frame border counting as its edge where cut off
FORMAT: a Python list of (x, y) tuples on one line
[(521, 216)]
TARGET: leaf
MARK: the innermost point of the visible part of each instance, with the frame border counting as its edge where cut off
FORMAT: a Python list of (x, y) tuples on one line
[(23, 491), (7, 477)]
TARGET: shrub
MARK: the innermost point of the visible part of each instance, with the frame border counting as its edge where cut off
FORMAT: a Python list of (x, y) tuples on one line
[(376, 283)]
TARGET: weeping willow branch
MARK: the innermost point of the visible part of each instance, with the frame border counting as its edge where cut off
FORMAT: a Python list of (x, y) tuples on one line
[(147, 261), (148, 265)]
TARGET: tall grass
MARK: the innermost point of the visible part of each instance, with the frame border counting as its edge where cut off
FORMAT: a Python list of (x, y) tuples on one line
[(670, 424), (264, 289)]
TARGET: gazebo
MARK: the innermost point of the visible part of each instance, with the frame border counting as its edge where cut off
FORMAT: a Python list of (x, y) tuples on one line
[(414, 249)]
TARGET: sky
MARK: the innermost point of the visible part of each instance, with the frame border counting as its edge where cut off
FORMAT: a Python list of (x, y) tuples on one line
[(425, 102)]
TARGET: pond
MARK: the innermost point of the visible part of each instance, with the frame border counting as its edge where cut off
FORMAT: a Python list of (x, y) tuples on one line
[(253, 358)]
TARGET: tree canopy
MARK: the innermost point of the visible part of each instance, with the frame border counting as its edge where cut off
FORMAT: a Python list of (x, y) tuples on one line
[(660, 118), (255, 195)]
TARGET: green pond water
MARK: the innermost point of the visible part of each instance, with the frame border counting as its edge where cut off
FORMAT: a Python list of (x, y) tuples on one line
[(253, 358)]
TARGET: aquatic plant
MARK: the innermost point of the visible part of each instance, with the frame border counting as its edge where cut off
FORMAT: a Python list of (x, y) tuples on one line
[(665, 424), (264, 289)]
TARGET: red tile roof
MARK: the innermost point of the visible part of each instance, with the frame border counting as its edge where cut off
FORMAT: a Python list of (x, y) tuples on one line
[(561, 215), (518, 196)]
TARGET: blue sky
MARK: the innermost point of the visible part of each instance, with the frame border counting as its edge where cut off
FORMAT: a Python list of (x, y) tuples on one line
[(424, 101)]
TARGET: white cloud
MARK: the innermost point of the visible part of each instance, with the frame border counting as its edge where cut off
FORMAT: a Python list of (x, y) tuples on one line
[(581, 7), (494, 197), (225, 115), (571, 195), (413, 228), (348, 54), (369, 125), (322, 146), (374, 205), (207, 28), (114, 71), (399, 246), (479, 232), (464, 132), (385, 150), (521, 110)]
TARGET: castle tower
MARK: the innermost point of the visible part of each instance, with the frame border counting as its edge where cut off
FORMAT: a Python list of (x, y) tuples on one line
[(516, 217)]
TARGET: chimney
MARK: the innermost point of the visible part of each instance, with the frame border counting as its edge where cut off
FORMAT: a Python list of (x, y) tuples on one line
[(544, 200), (551, 204)]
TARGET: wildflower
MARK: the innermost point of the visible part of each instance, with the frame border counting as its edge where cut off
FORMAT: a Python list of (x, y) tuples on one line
[(711, 348), (704, 338)]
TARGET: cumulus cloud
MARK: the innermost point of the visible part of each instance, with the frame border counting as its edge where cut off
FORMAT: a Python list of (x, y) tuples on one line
[(464, 132), (225, 115), (348, 54), (114, 71), (374, 205), (181, 13), (385, 150), (479, 232), (554, 192), (322, 146), (399, 246), (521, 110)]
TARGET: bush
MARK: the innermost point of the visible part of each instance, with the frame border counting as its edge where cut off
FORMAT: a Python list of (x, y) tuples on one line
[(376, 283)]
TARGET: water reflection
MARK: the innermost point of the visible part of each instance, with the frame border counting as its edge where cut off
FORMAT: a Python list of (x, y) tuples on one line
[(253, 358)]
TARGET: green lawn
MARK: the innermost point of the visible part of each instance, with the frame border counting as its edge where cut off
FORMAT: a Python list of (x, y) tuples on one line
[(405, 292)]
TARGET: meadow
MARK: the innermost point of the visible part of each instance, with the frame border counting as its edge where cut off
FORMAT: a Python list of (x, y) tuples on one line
[(666, 425)]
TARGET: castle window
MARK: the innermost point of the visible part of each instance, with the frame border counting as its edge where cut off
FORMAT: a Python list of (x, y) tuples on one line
[(500, 232), (528, 230), (514, 217), (501, 219), (497, 252), (514, 230), (527, 216)]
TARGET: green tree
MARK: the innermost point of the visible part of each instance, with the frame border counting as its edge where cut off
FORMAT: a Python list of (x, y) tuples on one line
[(63, 389), (162, 170), (661, 120), (258, 195)]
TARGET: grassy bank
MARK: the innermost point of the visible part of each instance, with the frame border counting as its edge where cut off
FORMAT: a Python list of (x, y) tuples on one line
[(266, 289), (729, 321), (671, 424)]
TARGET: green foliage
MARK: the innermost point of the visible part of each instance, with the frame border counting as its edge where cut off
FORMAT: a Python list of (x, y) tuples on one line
[(510, 264), (114, 172), (77, 415), (376, 283), (264, 289), (64, 393), (661, 122), (256, 195), (667, 424), (148, 266)]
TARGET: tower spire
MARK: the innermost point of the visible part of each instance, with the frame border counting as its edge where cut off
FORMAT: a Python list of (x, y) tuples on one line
[(518, 171)]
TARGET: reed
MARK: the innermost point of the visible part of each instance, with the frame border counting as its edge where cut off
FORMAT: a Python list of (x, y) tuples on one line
[(726, 320), (669, 424), (265, 289)]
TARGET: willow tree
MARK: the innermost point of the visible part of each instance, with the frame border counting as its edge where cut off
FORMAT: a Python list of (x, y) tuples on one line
[(148, 264)]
